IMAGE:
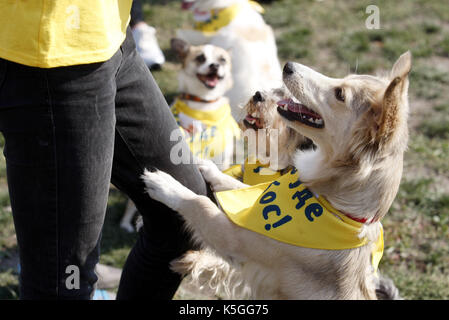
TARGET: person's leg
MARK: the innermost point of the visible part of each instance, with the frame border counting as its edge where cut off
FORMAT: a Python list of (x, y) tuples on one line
[(145, 38), (59, 128), (136, 13), (144, 125)]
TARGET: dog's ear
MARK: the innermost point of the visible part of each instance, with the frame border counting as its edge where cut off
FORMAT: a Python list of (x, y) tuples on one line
[(181, 48), (394, 98), (402, 66)]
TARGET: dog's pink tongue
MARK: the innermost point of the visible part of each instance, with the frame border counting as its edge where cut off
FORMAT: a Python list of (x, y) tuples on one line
[(283, 102), (212, 82), (186, 5), (249, 118)]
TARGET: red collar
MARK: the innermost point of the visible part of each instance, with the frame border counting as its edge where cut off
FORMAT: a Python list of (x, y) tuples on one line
[(190, 97), (360, 220)]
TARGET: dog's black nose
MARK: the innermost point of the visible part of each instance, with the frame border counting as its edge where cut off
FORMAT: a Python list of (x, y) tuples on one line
[(214, 66), (289, 68), (258, 97)]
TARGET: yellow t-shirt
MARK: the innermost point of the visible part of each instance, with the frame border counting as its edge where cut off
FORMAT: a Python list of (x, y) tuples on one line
[(53, 33)]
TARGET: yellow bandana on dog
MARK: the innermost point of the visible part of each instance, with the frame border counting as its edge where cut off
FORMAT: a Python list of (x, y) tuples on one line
[(220, 18), (287, 211), (221, 129), (252, 172)]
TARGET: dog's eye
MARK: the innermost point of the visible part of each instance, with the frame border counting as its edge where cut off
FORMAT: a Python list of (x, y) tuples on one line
[(201, 58), (340, 94), (222, 60)]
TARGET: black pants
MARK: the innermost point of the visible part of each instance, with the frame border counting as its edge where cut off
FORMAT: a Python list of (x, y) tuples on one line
[(136, 12), (69, 131)]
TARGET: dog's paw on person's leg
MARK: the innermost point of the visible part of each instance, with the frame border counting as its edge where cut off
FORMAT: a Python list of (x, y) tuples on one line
[(164, 188), (209, 171), (217, 180)]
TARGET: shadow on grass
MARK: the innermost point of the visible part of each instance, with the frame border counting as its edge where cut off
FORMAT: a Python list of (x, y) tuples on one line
[(115, 242), (9, 286), (9, 282)]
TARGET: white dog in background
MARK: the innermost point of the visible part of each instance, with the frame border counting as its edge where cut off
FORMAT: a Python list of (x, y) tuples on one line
[(201, 109), (237, 26)]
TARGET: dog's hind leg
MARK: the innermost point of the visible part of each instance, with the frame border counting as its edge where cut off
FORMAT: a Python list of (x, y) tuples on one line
[(386, 289)]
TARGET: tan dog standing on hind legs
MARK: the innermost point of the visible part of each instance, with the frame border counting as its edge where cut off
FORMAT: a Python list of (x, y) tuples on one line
[(359, 125)]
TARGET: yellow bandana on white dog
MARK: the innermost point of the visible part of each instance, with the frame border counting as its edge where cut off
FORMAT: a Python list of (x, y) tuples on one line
[(221, 129), (220, 18), (287, 211)]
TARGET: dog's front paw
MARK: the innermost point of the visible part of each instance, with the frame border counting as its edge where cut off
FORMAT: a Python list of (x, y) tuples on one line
[(209, 170), (164, 188)]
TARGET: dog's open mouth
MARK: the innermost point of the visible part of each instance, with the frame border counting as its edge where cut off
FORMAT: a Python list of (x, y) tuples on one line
[(294, 111), (187, 4), (210, 80), (253, 122)]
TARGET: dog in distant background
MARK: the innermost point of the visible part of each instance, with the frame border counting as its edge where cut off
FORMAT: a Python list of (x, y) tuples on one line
[(201, 109), (237, 26)]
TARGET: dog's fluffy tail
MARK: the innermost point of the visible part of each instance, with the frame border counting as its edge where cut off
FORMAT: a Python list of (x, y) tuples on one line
[(207, 270), (386, 290)]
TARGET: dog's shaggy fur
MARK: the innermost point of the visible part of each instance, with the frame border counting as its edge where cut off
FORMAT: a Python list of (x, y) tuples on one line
[(359, 125)]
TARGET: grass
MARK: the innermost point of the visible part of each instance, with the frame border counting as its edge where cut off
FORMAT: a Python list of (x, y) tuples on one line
[(293, 44), (416, 252), (331, 37)]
